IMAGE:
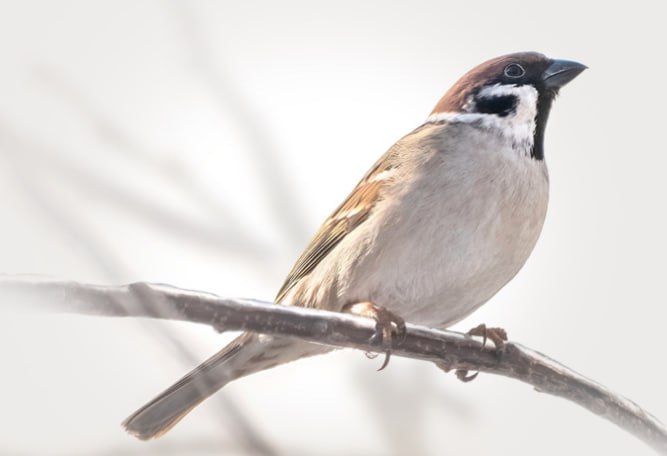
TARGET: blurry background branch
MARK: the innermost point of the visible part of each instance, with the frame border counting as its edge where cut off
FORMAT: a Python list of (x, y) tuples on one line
[(448, 349), (284, 198)]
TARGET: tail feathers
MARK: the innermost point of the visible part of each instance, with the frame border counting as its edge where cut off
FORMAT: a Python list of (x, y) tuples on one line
[(245, 355), (167, 409)]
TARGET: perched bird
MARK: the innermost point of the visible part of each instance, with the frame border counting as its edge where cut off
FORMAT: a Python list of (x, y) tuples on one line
[(440, 223)]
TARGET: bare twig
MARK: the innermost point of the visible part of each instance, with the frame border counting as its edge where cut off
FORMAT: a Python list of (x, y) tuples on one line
[(448, 349), (52, 208)]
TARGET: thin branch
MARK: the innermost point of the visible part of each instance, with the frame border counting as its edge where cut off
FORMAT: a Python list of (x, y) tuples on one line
[(21, 151), (448, 349)]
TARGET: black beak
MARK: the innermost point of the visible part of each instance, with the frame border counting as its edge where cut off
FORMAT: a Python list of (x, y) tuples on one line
[(560, 72)]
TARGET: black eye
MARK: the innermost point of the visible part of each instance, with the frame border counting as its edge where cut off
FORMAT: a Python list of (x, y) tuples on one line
[(514, 71)]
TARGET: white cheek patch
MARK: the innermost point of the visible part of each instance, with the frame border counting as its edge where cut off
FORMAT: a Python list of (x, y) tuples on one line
[(518, 126)]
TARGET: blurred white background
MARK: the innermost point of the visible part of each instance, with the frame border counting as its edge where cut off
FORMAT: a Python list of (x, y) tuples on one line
[(200, 144)]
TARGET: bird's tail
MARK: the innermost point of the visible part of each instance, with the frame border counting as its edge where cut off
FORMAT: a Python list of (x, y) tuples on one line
[(245, 355)]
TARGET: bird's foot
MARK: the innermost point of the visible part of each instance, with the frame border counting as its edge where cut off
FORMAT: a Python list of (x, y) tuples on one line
[(388, 326), (496, 335)]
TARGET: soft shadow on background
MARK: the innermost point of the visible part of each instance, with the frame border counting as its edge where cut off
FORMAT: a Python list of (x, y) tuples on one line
[(201, 144)]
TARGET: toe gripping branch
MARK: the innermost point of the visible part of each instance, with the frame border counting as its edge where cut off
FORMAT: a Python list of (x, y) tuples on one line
[(388, 326), (496, 335)]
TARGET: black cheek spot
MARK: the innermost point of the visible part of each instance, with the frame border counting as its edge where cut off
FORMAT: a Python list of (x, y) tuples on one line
[(502, 105)]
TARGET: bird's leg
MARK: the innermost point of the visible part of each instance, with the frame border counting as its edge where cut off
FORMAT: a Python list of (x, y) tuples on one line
[(496, 335), (387, 325)]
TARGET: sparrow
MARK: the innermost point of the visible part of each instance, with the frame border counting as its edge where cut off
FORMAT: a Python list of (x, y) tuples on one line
[(440, 223)]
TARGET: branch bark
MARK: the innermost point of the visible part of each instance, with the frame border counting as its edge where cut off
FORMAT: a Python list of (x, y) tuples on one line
[(448, 349)]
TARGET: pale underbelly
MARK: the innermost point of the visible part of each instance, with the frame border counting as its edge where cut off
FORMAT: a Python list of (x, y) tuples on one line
[(436, 277)]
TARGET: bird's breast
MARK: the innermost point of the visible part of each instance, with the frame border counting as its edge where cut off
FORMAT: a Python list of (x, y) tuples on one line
[(449, 239)]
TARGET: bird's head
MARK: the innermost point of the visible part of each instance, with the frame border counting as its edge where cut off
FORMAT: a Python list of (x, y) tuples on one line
[(513, 92)]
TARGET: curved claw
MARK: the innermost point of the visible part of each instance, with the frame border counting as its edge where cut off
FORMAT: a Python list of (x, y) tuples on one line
[(385, 363), (496, 335), (462, 374), (387, 326)]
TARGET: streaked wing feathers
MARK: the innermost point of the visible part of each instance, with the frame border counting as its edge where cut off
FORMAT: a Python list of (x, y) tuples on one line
[(348, 216)]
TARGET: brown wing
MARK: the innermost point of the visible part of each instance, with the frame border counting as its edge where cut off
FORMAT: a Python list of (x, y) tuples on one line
[(349, 215)]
